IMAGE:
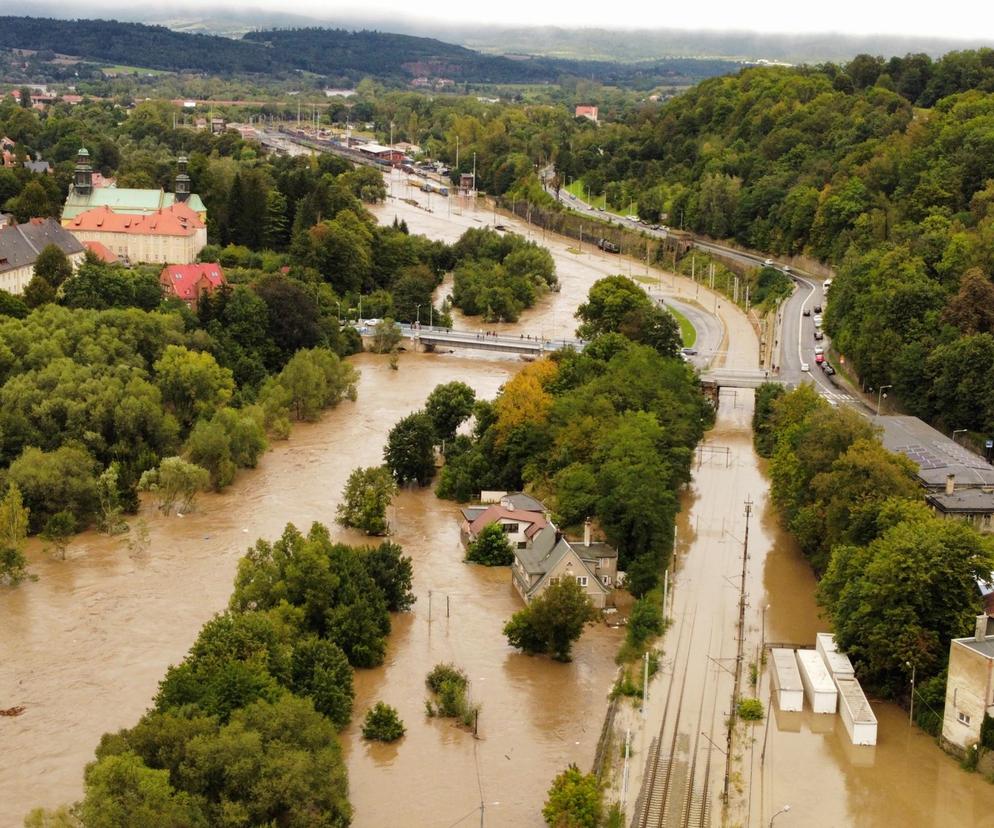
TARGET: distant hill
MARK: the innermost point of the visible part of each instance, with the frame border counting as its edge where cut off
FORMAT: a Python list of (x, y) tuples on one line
[(338, 53)]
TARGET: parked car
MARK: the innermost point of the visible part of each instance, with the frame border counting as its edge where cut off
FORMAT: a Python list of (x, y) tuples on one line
[(819, 359), (689, 351), (786, 268), (817, 308), (807, 311), (768, 263), (805, 366), (817, 321), (819, 336), (826, 285), (819, 349), (828, 369)]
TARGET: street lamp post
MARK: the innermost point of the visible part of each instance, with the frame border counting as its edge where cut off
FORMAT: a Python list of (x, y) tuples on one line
[(911, 708), (417, 321), (880, 396), (785, 809), (339, 311)]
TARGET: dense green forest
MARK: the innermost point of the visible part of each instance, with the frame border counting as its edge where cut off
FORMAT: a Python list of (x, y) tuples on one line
[(884, 169), (337, 53)]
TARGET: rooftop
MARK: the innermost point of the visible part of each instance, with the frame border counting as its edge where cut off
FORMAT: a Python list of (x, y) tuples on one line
[(985, 647), (935, 454), (124, 200), (785, 665), (851, 691), (185, 281), (20, 244), (963, 500), (175, 220)]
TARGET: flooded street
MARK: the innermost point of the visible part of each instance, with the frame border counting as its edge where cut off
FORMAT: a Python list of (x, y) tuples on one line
[(83, 647)]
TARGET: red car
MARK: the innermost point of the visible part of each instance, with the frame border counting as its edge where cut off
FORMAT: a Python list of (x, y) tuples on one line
[(819, 359)]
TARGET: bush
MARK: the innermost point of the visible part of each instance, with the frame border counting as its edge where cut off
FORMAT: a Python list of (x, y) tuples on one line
[(382, 724), (491, 547), (450, 685), (646, 621), (750, 710)]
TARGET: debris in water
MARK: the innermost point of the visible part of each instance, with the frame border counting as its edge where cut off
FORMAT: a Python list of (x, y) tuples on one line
[(13, 711)]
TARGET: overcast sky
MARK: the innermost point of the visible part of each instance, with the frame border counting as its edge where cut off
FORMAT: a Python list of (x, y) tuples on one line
[(958, 18)]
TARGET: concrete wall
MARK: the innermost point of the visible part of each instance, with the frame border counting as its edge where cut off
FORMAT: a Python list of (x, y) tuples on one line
[(968, 691)]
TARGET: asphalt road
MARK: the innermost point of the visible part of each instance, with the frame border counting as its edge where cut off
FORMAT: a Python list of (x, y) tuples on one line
[(797, 343)]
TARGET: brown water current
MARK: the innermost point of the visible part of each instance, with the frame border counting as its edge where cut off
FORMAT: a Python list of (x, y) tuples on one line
[(84, 646)]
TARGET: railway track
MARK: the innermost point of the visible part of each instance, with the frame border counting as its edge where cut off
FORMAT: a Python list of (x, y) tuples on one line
[(673, 793)]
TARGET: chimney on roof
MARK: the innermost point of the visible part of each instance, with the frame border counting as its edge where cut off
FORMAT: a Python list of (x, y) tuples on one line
[(182, 180), (586, 532), (980, 630), (950, 483), (83, 176)]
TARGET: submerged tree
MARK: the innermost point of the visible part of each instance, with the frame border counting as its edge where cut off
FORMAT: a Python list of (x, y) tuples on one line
[(367, 495)]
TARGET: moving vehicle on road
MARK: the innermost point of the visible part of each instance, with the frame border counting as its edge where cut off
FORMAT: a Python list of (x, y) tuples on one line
[(807, 311), (689, 351), (805, 367)]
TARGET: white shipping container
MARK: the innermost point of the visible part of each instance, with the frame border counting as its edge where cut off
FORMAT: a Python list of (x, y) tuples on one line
[(818, 684), (838, 663), (786, 680), (857, 715)]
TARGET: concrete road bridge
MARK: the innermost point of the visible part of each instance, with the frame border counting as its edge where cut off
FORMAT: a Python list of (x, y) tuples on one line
[(434, 337), (738, 378)]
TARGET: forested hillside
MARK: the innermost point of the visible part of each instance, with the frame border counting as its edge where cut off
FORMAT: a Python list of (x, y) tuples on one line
[(883, 169), (344, 55)]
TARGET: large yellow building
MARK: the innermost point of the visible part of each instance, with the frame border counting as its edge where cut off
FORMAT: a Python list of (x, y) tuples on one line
[(83, 196), (172, 235)]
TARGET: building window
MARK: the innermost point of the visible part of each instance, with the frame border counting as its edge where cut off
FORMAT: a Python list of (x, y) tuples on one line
[(509, 528), (581, 580), (522, 544), (606, 579), (963, 717), (553, 581)]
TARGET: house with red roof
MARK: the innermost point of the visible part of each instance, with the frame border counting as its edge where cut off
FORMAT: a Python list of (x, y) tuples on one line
[(174, 234), (101, 252), (189, 282)]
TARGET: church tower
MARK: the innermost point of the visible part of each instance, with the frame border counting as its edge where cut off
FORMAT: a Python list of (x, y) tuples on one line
[(83, 177), (182, 180)]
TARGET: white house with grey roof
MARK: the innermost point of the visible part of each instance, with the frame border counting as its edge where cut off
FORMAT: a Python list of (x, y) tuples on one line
[(542, 554), (20, 245)]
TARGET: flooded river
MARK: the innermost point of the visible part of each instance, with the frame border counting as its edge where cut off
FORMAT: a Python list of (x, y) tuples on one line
[(84, 646)]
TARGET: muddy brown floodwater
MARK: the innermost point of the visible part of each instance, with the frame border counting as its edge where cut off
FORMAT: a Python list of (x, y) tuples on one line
[(84, 646)]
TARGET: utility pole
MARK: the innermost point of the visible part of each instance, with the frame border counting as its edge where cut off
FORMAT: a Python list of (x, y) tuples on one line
[(738, 657)]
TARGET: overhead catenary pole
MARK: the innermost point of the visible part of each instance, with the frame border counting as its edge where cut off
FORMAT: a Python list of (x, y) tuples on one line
[(738, 657)]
